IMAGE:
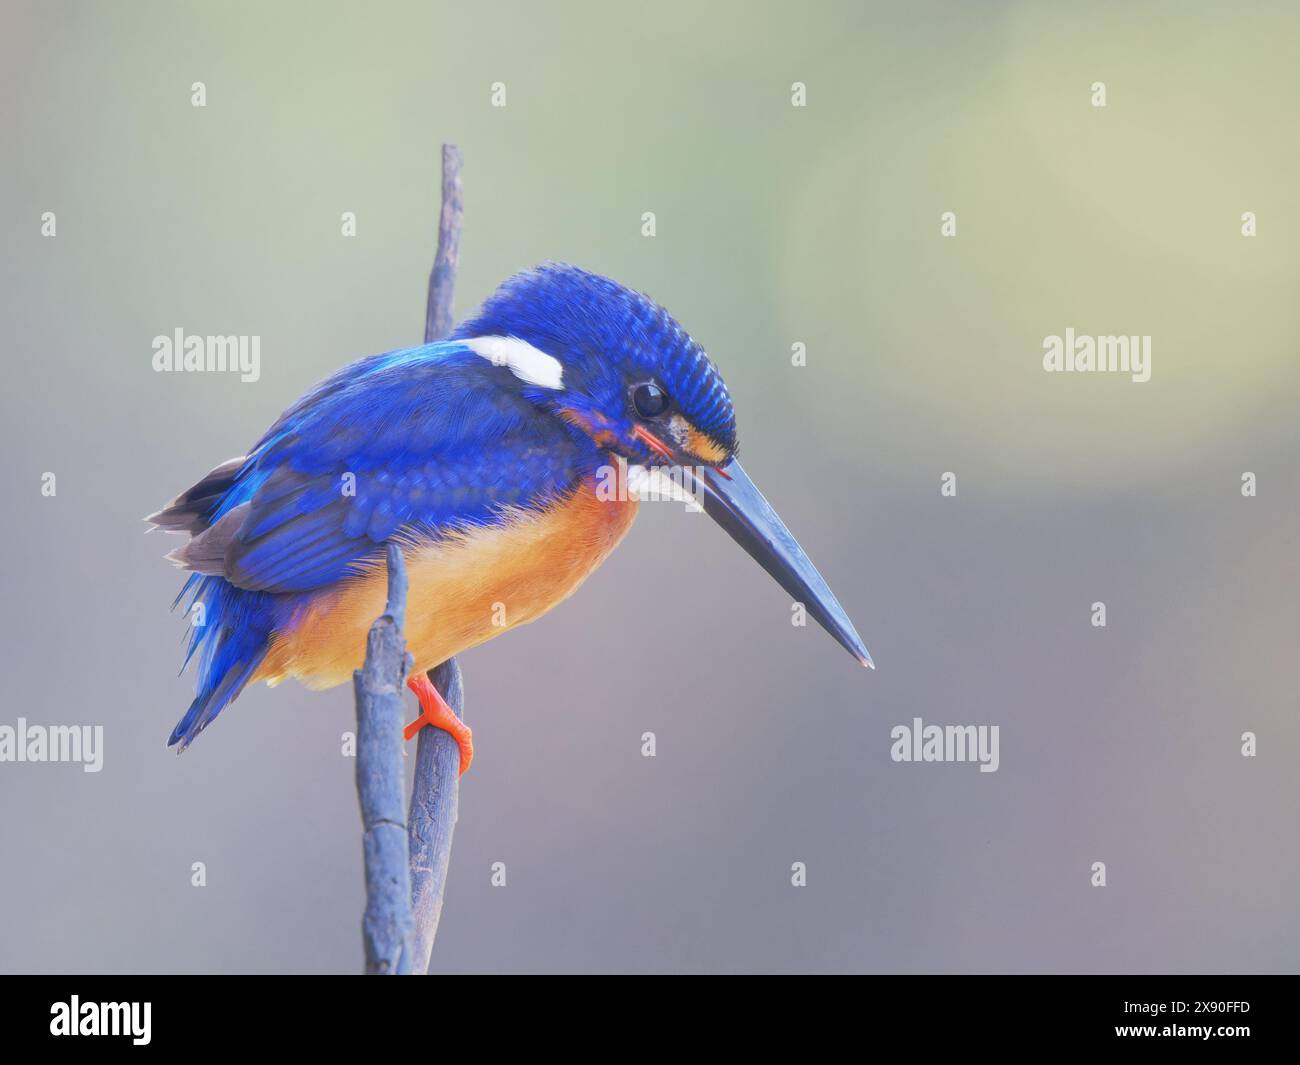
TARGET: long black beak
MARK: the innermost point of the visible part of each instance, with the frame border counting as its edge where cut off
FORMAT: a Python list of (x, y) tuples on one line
[(732, 500)]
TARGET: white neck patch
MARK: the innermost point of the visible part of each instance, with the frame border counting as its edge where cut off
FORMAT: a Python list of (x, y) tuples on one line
[(526, 362)]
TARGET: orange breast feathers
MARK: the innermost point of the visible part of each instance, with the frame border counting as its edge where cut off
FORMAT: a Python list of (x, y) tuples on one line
[(464, 589)]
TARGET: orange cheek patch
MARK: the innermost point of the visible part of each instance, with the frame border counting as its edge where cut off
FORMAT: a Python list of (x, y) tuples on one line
[(697, 443)]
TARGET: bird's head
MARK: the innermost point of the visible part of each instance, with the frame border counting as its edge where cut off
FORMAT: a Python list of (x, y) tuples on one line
[(610, 362), (616, 367)]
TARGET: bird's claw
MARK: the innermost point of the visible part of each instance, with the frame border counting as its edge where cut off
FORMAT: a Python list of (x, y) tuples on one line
[(435, 711)]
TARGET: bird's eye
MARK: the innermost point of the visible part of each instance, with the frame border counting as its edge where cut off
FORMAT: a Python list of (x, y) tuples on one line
[(649, 399)]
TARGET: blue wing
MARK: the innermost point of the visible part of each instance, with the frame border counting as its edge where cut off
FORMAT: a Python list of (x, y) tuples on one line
[(426, 440)]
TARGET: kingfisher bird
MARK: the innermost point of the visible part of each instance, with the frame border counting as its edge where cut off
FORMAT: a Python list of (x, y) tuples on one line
[(482, 457)]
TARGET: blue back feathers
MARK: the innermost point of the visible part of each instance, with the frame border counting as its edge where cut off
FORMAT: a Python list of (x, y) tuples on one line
[(428, 440)]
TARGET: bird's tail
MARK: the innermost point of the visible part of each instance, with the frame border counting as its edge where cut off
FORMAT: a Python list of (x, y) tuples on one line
[(230, 630)]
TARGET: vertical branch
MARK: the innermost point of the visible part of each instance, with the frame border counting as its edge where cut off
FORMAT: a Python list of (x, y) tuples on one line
[(435, 802), (442, 278), (435, 795), (386, 926)]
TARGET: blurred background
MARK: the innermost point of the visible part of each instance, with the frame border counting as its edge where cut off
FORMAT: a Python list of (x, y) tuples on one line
[(776, 225)]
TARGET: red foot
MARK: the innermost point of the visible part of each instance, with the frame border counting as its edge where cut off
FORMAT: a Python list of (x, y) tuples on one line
[(437, 713)]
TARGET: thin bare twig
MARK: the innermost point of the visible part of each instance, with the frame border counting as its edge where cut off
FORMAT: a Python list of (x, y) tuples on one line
[(442, 278), (387, 924), (406, 859), (435, 803), (435, 796)]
